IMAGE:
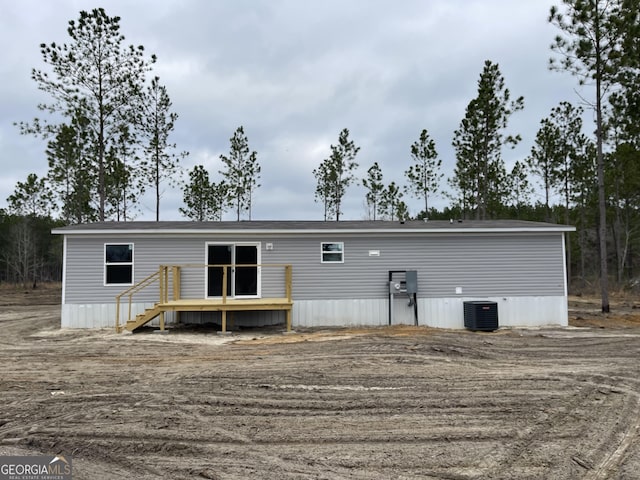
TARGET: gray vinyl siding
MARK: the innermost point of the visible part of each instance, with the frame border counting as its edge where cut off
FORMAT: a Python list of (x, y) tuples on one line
[(483, 265), (84, 282)]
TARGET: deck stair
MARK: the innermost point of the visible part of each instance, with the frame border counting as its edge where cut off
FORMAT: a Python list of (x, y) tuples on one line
[(143, 318)]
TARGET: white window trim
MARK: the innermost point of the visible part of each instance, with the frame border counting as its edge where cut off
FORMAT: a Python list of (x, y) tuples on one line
[(105, 264), (322, 252)]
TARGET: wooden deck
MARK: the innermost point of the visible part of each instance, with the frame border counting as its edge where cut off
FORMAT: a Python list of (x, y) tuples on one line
[(229, 305), (171, 275)]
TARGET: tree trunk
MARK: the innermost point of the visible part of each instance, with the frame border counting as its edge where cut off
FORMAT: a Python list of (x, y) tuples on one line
[(602, 201), (157, 180), (581, 243), (568, 238)]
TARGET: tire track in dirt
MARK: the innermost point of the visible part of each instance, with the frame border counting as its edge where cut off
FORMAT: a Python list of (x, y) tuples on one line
[(516, 454), (624, 433), (613, 460)]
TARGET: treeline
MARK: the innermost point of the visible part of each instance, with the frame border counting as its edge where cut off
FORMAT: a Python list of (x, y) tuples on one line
[(29, 254)]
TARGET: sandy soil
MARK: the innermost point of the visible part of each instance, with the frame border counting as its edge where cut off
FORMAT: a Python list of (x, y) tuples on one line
[(397, 403)]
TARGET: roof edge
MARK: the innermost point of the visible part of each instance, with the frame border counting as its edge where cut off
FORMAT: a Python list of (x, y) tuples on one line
[(279, 231)]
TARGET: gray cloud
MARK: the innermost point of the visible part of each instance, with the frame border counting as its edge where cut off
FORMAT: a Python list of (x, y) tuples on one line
[(294, 74)]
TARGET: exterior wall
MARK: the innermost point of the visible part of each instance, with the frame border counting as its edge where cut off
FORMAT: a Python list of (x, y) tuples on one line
[(481, 265), (524, 272)]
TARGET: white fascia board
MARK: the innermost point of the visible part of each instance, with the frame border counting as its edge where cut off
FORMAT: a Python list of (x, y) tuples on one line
[(279, 231)]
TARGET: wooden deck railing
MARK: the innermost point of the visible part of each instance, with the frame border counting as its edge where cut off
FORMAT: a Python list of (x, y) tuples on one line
[(138, 287), (172, 274)]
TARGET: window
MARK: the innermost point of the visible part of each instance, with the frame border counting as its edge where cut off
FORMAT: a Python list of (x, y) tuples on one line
[(332, 252), (118, 264)]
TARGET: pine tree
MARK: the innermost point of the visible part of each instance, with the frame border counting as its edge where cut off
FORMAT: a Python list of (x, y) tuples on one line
[(241, 174), (543, 160), (121, 197), (585, 194), (323, 187), (203, 200), (519, 187), (392, 205), (568, 121), (335, 174), (425, 175), (590, 49), (97, 75), (31, 198), (157, 121), (375, 187), (70, 175), (479, 175)]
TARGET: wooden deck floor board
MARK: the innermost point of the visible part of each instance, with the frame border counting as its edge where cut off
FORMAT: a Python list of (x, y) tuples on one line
[(231, 304)]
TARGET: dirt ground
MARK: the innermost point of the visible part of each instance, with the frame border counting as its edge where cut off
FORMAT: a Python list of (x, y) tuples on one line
[(383, 403)]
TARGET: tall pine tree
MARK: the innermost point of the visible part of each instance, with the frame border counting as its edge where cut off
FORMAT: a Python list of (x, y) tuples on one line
[(157, 121), (335, 174), (375, 187), (424, 175), (241, 173), (479, 174), (589, 48)]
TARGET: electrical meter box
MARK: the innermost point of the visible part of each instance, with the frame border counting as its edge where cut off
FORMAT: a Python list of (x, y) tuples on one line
[(408, 285), (396, 287)]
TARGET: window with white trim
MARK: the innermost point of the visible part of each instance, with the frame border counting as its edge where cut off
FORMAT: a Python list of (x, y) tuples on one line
[(118, 264), (332, 252)]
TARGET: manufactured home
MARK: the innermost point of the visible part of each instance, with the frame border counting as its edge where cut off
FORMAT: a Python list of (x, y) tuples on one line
[(312, 273)]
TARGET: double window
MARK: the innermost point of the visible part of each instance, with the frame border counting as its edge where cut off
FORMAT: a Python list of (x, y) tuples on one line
[(332, 252), (118, 264)]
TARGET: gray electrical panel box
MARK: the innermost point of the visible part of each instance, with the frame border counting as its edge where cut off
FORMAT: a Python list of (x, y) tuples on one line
[(411, 279)]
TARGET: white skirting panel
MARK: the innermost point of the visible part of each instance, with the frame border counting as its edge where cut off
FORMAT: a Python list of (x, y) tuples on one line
[(101, 315), (432, 312), (340, 313), (512, 311)]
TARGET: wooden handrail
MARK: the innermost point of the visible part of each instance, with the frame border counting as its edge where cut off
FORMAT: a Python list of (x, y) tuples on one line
[(288, 276), (132, 290)]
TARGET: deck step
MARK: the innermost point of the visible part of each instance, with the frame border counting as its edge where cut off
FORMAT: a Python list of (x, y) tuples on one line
[(143, 318)]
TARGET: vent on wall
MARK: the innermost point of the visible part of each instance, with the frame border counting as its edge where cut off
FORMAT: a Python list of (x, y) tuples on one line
[(481, 315)]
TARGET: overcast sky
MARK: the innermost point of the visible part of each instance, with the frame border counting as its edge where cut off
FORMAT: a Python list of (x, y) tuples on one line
[(294, 73)]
